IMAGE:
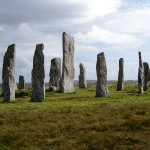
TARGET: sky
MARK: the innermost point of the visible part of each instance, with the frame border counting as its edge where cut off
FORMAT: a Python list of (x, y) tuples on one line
[(119, 28)]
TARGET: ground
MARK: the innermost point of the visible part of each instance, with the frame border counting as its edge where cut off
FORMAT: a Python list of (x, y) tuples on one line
[(77, 121)]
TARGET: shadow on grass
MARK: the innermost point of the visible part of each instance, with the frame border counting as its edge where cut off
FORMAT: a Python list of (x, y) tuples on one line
[(133, 92), (81, 98)]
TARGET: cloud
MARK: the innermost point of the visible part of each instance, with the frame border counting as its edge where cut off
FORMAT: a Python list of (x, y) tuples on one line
[(39, 11), (135, 21), (24, 29), (2, 29), (23, 62), (55, 11), (117, 27), (99, 8), (101, 35)]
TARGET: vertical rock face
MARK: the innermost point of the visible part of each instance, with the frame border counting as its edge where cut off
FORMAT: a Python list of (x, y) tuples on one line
[(120, 84), (67, 80), (82, 77), (8, 74), (38, 75), (21, 84), (55, 72), (146, 75), (141, 75), (101, 86)]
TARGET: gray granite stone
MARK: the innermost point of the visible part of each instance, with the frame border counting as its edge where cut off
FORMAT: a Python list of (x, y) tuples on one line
[(8, 74), (68, 71), (82, 77), (120, 84), (21, 84), (146, 76), (38, 75), (55, 72), (140, 75), (101, 86)]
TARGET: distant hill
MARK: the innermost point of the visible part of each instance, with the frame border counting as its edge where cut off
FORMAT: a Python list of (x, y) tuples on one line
[(89, 82)]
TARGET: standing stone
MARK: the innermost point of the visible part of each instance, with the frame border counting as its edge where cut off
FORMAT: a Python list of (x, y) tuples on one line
[(82, 77), (67, 80), (55, 72), (141, 75), (38, 75), (101, 86), (120, 84), (8, 74), (146, 76), (21, 84)]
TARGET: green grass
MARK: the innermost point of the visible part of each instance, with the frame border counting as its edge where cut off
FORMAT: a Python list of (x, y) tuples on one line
[(77, 121)]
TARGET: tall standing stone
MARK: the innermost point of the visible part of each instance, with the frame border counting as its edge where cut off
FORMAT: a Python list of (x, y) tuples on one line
[(82, 77), (21, 84), (141, 75), (67, 80), (38, 75), (146, 76), (55, 72), (101, 86), (8, 74), (120, 84)]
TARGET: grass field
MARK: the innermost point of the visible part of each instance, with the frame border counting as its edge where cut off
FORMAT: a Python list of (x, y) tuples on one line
[(77, 121)]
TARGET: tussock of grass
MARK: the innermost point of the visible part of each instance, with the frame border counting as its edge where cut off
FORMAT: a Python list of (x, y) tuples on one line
[(77, 121)]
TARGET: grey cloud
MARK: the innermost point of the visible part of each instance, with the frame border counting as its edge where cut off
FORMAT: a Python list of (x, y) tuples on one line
[(23, 62), (14, 11), (28, 22), (135, 3)]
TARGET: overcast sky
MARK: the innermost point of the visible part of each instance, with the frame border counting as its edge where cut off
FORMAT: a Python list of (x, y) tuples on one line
[(119, 28)]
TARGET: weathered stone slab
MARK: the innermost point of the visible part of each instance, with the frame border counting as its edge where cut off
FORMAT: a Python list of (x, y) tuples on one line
[(146, 76), (67, 80), (8, 74), (55, 72), (82, 77), (21, 84), (101, 86), (120, 84), (38, 75), (141, 75)]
